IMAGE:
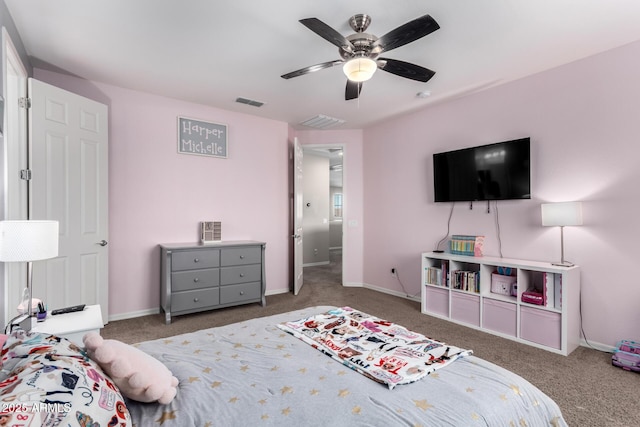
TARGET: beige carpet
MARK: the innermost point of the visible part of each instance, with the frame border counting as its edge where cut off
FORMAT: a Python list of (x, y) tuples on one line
[(588, 389)]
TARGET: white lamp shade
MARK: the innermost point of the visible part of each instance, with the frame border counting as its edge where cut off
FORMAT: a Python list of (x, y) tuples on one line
[(23, 241), (561, 214), (359, 69)]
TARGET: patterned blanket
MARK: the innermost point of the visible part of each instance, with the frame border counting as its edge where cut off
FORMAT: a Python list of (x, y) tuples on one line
[(380, 350)]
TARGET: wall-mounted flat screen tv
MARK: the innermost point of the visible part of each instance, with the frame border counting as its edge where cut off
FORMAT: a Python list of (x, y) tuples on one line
[(498, 171)]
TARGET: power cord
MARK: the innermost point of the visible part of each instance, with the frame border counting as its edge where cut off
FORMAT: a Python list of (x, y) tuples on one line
[(582, 328), (497, 220), (402, 285), (448, 227)]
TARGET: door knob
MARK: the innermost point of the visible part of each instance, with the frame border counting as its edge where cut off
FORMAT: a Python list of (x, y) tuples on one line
[(103, 243)]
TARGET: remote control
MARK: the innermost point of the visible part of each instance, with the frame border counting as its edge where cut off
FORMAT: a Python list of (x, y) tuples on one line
[(68, 309)]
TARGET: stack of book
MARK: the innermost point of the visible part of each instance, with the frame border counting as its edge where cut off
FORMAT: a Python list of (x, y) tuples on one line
[(437, 275), (465, 280), (466, 245)]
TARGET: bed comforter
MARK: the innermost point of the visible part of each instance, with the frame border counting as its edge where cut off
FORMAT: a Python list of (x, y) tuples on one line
[(253, 373)]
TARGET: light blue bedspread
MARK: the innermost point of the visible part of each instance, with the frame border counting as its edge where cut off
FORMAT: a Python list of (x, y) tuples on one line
[(253, 374)]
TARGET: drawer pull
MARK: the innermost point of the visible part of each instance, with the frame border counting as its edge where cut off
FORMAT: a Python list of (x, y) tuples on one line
[(195, 299), (241, 256), (196, 260), (241, 274), (241, 292), (196, 280)]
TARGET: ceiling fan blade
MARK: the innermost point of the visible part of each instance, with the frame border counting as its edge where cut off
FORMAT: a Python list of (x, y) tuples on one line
[(405, 69), (311, 69), (352, 90), (411, 31), (328, 33)]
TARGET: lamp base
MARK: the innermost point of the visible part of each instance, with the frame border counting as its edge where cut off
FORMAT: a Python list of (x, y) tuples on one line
[(563, 264)]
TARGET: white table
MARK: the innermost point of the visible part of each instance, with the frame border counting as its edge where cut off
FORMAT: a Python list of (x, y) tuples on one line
[(72, 326)]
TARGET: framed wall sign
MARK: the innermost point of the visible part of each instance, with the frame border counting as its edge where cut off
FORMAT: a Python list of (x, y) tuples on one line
[(202, 138)]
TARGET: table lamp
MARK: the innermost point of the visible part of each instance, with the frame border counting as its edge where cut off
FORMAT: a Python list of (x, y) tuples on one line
[(28, 241), (561, 215)]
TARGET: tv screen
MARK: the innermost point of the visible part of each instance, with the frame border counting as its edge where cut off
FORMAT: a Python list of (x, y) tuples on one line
[(498, 171)]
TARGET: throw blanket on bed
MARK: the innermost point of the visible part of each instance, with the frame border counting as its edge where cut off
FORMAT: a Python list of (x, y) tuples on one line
[(381, 350)]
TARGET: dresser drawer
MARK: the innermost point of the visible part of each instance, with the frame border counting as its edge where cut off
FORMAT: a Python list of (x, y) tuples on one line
[(239, 293), (240, 274), (241, 256), (195, 279), (188, 260), (192, 300)]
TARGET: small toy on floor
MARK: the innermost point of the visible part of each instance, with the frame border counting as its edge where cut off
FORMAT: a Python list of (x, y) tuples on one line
[(627, 355)]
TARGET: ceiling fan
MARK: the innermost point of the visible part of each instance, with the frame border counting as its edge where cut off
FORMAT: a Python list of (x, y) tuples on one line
[(360, 52)]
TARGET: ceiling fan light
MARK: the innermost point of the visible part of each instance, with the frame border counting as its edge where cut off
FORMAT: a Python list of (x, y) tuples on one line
[(360, 69)]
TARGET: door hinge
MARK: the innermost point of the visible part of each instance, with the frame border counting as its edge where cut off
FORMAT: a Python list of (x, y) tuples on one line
[(24, 102), (25, 174)]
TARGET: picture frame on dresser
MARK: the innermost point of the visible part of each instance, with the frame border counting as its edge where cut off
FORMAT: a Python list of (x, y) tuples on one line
[(198, 277)]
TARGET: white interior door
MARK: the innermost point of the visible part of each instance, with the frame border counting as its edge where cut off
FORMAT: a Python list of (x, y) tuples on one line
[(298, 202), (69, 157), (15, 159)]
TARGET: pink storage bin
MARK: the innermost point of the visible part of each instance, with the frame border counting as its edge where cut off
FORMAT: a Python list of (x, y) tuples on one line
[(540, 326), (499, 316), (465, 308), (438, 301)]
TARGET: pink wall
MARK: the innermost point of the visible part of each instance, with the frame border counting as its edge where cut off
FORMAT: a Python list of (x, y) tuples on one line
[(582, 119), (583, 122), (353, 192), (159, 196)]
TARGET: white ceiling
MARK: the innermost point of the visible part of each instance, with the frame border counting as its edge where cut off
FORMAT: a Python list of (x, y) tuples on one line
[(214, 51)]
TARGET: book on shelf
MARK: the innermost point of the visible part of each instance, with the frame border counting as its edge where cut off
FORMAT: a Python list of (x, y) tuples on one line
[(465, 280), (548, 289), (433, 276), (438, 276), (466, 245), (445, 273), (558, 291)]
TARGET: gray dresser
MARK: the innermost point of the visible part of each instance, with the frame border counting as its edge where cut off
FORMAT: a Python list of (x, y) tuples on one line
[(197, 277)]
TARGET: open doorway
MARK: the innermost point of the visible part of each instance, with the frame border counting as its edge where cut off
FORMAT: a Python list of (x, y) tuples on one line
[(324, 199)]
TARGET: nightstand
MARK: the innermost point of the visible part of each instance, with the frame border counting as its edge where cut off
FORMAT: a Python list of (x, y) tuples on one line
[(72, 326)]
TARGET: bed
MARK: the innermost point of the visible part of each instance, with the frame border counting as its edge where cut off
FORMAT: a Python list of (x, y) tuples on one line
[(254, 373), (257, 372)]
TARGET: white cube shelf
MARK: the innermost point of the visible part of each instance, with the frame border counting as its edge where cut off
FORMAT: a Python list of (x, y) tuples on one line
[(554, 326)]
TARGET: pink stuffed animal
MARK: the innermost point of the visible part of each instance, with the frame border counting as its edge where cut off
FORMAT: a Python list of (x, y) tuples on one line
[(138, 376)]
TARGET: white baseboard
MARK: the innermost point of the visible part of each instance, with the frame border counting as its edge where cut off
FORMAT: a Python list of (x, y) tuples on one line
[(314, 264), (596, 345), (277, 292), (391, 292), (151, 311), (132, 314)]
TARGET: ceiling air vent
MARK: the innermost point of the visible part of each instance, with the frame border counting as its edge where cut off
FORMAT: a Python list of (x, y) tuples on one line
[(322, 122), (250, 102)]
